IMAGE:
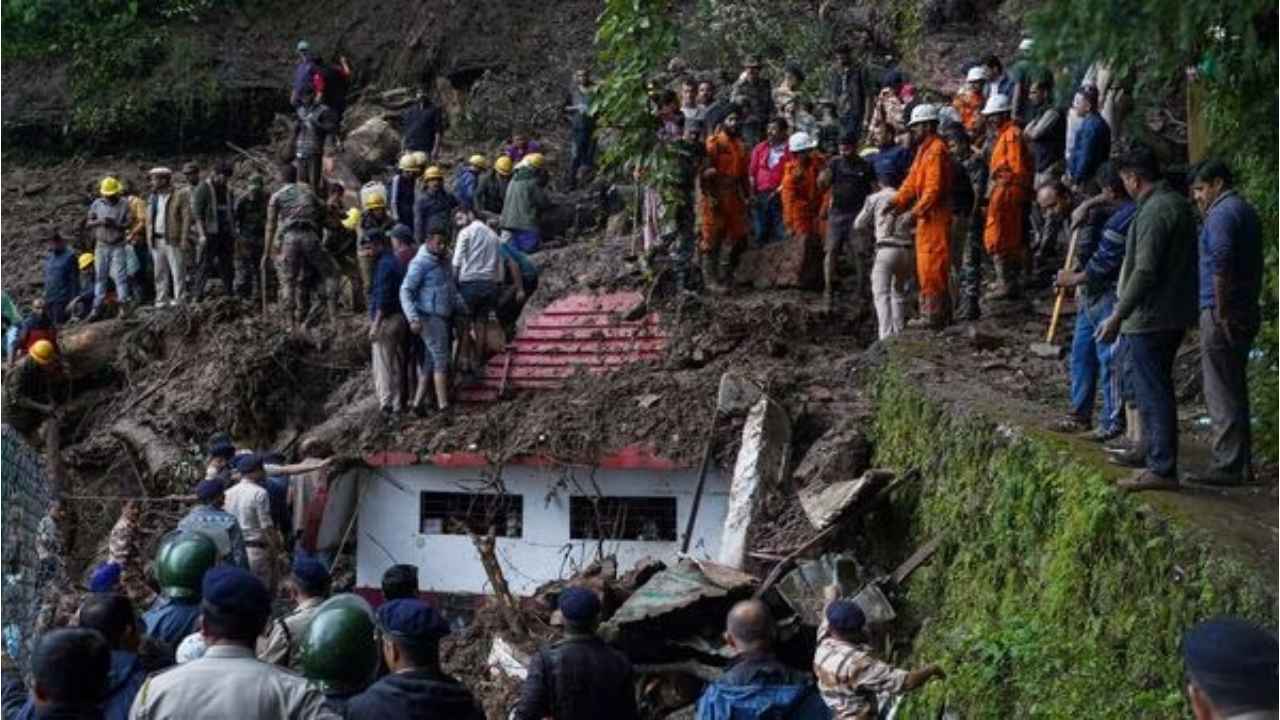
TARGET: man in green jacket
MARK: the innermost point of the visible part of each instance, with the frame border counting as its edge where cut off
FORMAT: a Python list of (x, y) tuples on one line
[(1157, 298), (526, 200)]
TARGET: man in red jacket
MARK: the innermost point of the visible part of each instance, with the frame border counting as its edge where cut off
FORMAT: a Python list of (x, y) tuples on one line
[(768, 159)]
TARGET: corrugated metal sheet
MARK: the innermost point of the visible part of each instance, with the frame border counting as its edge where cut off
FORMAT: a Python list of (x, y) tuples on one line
[(578, 331)]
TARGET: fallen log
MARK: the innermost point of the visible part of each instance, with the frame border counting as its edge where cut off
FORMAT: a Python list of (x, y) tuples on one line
[(164, 460)]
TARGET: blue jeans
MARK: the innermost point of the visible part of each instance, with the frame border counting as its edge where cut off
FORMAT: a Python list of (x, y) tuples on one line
[(766, 218), (1150, 373), (1093, 365)]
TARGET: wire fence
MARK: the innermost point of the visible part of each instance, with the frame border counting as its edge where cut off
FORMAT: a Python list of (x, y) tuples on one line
[(25, 494)]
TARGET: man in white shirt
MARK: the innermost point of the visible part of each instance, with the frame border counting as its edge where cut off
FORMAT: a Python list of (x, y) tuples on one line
[(477, 266), (248, 501)]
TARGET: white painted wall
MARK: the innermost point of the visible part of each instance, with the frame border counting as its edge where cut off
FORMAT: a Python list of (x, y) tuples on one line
[(389, 515)]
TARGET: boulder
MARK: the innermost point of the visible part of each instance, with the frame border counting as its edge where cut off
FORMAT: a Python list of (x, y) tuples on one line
[(842, 453), (792, 263), (371, 147)]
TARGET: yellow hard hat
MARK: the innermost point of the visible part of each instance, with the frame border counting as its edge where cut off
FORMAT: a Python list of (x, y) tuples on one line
[(478, 161), (42, 352), (110, 186), (375, 201), (419, 159), (410, 162), (533, 160), (85, 260), (503, 165), (352, 219), (433, 173)]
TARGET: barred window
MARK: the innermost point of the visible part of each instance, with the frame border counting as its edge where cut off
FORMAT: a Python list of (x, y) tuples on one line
[(622, 518), (455, 513)]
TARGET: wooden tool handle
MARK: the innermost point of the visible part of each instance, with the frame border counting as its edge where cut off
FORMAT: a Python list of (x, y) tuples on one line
[(1057, 303)]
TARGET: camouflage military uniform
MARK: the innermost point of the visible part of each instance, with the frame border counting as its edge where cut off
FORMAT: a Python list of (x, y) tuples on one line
[(756, 101), (251, 222), (122, 549), (679, 221), (849, 678), (51, 576), (973, 251), (299, 219)]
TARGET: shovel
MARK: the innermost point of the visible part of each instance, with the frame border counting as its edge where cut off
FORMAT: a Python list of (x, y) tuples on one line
[(1048, 349)]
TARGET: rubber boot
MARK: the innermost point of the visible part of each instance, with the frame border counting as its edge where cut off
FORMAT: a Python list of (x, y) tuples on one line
[(828, 279), (711, 270), (441, 381), (728, 267)]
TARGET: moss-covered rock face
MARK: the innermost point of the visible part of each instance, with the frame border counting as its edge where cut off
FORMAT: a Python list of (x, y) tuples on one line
[(1053, 595)]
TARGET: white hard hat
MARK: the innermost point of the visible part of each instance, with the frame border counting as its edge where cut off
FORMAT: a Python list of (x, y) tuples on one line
[(997, 104), (159, 171), (1026, 45), (923, 113), (802, 141), (977, 73)]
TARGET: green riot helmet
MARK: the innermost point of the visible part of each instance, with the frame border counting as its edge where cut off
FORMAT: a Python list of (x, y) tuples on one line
[(182, 561), (339, 651)]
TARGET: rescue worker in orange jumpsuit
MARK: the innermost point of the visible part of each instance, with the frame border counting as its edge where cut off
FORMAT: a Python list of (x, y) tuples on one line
[(969, 101), (928, 185), (724, 201), (1011, 174), (802, 202)]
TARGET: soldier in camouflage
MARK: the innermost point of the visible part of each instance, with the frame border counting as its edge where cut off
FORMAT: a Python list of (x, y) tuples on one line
[(297, 215), (973, 252), (250, 224), (122, 549), (51, 575), (754, 95)]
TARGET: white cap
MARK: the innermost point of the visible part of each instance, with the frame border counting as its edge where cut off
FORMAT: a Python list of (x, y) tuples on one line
[(923, 113), (977, 73), (1026, 45), (159, 171), (997, 104), (802, 141)]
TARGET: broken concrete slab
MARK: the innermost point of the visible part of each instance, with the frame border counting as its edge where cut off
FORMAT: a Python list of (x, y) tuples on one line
[(506, 659), (766, 443), (685, 600), (827, 505), (737, 394), (842, 452)]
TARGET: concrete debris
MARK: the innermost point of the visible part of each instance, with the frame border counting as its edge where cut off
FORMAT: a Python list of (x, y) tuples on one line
[(373, 145), (737, 394), (508, 660), (840, 453), (802, 588), (875, 606), (766, 444), (825, 506)]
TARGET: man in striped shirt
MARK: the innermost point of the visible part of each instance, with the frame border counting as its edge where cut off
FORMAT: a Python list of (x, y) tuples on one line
[(849, 678)]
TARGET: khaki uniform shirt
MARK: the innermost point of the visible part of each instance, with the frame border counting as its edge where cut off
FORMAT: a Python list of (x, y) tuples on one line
[(249, 502), (850, 678), (282, 643), (227, 682)]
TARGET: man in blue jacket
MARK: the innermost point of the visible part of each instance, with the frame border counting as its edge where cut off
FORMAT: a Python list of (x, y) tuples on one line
[(757, 684), (1101, 223), (428, 297), (111, 615), (1092, 144), (61, 278)]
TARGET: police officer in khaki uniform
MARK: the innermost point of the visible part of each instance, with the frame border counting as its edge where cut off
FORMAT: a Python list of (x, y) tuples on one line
[(228, 681), (308, 586)]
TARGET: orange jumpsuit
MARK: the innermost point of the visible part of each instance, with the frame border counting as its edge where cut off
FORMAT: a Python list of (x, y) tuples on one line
[(928, 183), (1010, 191), (801, 198), (724, 207), (969, 105)]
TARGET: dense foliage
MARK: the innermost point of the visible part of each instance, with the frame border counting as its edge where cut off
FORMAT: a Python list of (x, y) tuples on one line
[(1232, 47), (1053, 594), (111, 45)]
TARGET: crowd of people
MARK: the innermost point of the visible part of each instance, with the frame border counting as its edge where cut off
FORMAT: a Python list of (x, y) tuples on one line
[(918, 193), (1000, 176)]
